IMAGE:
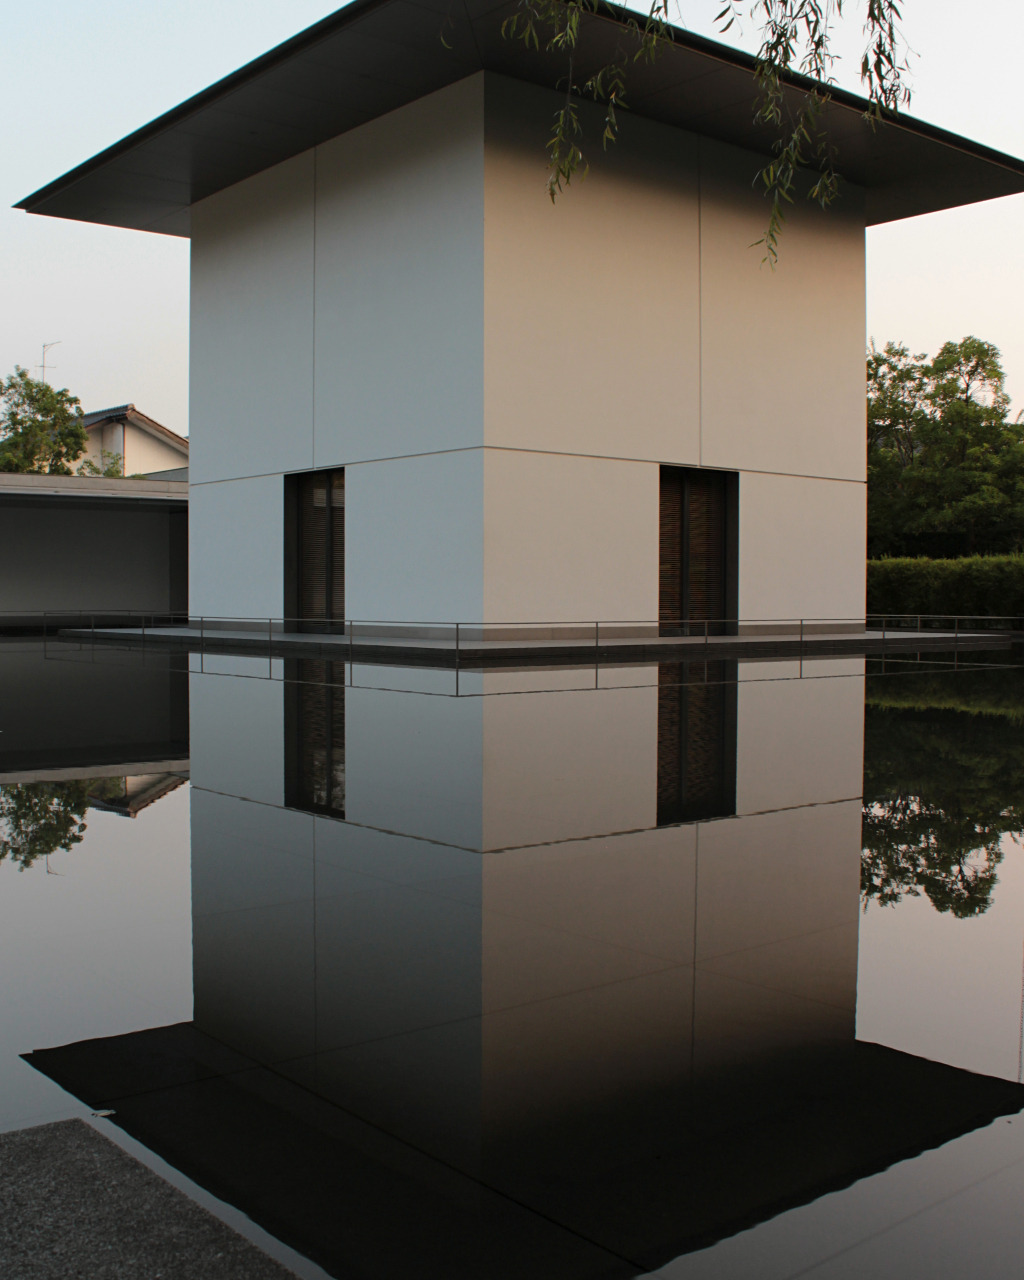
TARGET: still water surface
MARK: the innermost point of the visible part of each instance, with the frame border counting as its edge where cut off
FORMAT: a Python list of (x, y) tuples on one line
[(683, 971)]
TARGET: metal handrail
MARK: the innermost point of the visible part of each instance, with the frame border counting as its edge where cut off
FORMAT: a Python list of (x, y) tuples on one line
[(801, 629)]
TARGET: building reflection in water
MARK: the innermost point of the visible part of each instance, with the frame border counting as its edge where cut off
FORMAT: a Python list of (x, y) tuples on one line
[(569, 990), (84, 729)]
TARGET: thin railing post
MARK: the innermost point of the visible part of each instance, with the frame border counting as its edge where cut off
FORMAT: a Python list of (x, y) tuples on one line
[(456, 646), (597, 651), (351, 668)]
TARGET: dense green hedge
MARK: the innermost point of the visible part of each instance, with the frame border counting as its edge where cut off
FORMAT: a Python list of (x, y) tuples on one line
[(974, 586), (998, 692)]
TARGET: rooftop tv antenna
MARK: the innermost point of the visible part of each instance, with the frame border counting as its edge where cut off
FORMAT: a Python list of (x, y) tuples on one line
[(46, 347)]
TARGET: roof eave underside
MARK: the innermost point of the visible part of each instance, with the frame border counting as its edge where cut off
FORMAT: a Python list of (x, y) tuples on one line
[(378, 55)]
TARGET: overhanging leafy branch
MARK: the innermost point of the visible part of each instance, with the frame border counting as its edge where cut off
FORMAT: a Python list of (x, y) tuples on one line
[(796, 41)]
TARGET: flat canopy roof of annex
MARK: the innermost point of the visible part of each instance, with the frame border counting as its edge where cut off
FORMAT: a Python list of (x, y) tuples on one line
[(376, 55)]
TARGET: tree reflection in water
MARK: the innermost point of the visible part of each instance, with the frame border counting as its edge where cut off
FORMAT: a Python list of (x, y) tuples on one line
[(943, 785), (40, 818)]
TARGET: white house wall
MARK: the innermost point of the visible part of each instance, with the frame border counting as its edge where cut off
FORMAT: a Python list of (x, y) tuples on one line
[(145, 453)]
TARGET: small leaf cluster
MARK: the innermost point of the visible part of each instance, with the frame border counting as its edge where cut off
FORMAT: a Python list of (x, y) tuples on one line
[(554, 25)]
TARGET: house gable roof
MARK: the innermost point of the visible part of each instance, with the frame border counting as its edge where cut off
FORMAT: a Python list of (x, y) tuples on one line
[(377, 55), (128, 414)]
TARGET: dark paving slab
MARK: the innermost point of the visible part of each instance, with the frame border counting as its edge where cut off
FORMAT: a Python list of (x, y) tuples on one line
[(74, 1206)]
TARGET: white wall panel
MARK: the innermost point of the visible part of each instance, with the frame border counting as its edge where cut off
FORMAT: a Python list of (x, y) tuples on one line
[(802, 547), (765, 976), (799, 741), (414, 539), (591, 302), (251, 342), (782, 379), (414, 764), (399, 281), (569, 539), (563, 766), (236, 548), (254, 961), (237, 736)]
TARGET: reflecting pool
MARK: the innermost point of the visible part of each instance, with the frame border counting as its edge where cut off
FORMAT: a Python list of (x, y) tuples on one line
[(685, 969)]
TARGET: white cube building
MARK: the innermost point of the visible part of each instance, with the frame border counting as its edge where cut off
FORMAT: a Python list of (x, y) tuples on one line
[(423, 393)]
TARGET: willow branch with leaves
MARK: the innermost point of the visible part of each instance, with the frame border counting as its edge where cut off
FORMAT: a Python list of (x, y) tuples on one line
[(796, 38)]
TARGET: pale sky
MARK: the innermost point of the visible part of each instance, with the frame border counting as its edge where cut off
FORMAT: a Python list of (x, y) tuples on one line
[(76, 76)]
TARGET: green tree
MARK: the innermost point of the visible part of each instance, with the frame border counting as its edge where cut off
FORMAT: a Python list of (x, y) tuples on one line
[(40, 428), (942, 788), (945, 461), (796, 37), (40, 818)]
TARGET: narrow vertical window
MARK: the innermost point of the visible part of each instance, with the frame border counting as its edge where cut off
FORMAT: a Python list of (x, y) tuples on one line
[(315, 550)]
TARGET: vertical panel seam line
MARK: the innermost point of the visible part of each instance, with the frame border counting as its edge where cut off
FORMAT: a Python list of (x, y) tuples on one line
[(700, 303), (312, 370)]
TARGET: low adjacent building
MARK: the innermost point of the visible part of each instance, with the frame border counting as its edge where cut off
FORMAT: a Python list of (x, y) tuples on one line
[(91, 544)]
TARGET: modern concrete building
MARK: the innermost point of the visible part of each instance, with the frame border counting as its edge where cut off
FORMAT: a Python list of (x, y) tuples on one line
[(142, 444), (421, 392)]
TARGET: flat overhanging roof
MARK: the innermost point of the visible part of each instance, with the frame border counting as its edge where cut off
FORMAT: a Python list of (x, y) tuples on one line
[(377, 55)]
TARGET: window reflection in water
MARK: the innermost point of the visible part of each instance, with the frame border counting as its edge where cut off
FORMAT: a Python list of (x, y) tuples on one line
[(696, 741), (315, 736)]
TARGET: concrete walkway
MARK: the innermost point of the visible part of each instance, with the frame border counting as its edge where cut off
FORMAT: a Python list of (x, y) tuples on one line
[(608, 648)]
